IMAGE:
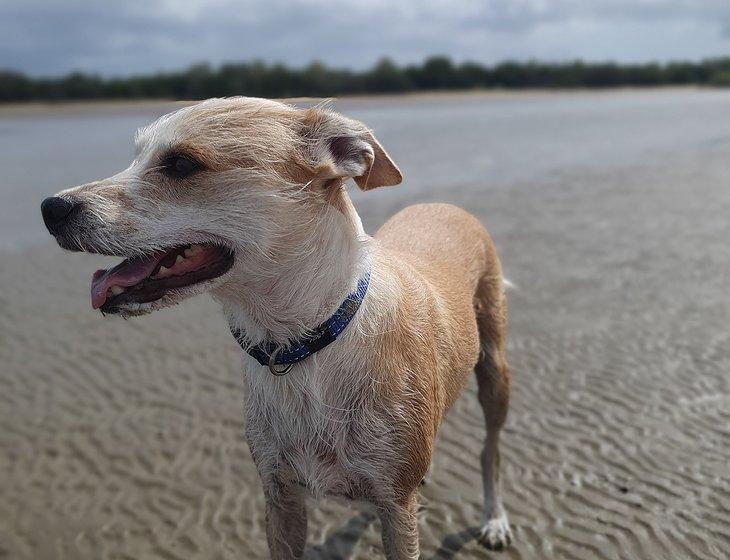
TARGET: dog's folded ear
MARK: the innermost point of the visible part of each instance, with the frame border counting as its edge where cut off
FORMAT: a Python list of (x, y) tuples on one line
[(338, 147)]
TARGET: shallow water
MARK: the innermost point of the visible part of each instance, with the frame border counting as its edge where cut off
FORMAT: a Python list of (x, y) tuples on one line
[(610, 210)]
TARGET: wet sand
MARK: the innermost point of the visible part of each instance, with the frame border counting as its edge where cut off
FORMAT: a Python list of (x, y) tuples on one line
[(124, 439)]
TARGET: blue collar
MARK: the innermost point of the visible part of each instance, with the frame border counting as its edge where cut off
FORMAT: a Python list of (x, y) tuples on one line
[(272, 354)]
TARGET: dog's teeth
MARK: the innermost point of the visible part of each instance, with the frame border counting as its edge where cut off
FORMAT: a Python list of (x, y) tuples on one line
[(195, 249), (189, 253), (179, 259), (163, 270), (116, 290)]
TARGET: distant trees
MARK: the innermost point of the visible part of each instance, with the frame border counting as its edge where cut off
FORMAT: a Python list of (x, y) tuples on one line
[(258, 78)]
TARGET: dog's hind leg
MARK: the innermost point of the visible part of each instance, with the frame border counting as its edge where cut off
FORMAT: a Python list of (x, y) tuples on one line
[(492, 373)]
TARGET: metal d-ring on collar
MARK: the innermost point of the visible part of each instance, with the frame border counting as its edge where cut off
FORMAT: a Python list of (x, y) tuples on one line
[(272, 364), (271, 354)]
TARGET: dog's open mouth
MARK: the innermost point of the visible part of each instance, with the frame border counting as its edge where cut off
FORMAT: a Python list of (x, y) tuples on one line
[(149, 278)]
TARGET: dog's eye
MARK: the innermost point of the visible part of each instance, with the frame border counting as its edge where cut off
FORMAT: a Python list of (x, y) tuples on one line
[(178, 166)]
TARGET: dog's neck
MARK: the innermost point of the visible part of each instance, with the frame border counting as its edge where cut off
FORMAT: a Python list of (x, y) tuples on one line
[(280, 297)]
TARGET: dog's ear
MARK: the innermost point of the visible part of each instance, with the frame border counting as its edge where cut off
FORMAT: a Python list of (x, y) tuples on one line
[(338, 147)]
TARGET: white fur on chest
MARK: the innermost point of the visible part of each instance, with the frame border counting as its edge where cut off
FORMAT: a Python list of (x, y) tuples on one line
[(315, 427)]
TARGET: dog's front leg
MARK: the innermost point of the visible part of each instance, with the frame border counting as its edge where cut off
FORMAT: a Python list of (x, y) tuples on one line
[(400, 528), (286, 520)]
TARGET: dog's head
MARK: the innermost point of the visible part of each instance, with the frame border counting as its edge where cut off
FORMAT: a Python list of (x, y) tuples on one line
[(211, 185)]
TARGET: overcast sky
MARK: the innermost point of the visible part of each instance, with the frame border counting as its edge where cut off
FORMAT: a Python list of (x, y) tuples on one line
[(122, 37)]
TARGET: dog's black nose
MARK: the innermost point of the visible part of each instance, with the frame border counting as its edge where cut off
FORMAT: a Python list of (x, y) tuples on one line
[(56, 211)]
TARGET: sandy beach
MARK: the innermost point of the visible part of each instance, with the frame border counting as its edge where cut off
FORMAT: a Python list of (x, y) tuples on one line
[(611, 211)]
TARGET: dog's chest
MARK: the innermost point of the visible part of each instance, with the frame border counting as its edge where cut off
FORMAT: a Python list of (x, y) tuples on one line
[(316, 435)]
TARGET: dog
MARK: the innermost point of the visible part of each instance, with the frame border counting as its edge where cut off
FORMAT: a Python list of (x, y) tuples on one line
[(369, 339)]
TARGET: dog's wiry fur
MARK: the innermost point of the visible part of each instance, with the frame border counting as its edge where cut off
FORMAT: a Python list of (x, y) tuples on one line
[(359, 418)]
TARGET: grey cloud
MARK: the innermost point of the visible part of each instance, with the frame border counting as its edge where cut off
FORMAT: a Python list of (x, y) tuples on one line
[(140, 36)]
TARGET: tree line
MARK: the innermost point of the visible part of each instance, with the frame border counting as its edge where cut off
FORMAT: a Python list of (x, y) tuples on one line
[(436, 73)]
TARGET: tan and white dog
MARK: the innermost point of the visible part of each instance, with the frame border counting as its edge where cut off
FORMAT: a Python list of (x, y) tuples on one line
[(244, 198)]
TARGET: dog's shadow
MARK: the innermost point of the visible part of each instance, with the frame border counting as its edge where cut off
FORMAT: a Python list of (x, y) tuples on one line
[(454, 542), (341, 544)]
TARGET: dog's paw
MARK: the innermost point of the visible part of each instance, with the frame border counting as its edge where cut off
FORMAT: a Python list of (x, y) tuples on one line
[(496, 534)]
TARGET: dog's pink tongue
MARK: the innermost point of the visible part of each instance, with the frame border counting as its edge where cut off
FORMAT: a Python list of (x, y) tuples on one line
[(127, 273)]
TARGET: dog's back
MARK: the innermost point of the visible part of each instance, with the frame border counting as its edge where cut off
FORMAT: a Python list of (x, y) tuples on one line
[(441, 235), (454, 254)]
